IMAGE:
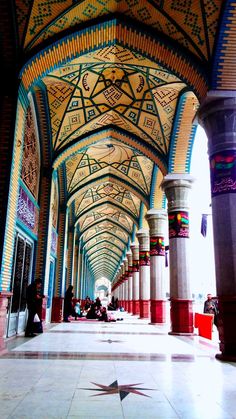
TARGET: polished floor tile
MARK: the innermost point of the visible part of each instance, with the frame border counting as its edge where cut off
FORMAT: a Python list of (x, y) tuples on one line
[(128, 369)]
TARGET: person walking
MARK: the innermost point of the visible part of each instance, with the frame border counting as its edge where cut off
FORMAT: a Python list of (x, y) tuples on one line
[(68, 306), (32, 300)]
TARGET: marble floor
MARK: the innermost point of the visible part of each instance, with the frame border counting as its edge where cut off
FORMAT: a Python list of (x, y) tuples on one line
[(126, 369)]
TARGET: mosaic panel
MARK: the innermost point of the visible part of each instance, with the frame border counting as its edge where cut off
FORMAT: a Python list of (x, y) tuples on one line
[(108, 155), (27, 212), (128, 96), (30, 171)]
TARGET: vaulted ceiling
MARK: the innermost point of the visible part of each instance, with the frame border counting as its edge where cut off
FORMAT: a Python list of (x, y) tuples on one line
[(119, 83)]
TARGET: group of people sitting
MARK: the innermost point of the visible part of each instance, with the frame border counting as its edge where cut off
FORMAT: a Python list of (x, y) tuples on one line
[(90, 309)]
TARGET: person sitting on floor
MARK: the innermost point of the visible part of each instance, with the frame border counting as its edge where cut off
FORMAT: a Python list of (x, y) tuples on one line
[(92, 312)]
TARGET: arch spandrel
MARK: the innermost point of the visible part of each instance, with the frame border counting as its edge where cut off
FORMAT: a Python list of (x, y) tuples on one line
[(114, 245), (107, 192), (139, 99), (104, 213), (114, 230), (110, 156)]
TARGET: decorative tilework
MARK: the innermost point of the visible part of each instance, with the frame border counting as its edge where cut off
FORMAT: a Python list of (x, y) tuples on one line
[(27, 212)]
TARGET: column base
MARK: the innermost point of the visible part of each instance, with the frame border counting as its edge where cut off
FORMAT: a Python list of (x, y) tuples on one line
[(130, 306), (136, 308), (3, 319), (181, 314), (144, 309), (158, 311), (57, 310), (226, 328)]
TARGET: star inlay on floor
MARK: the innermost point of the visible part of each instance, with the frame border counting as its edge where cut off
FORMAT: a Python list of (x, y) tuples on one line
[(111, 341), (114, 388)]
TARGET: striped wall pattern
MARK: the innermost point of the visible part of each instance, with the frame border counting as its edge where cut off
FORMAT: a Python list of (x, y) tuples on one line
[(70, 256), (224, 67), (15, 167), (182, 135), (44, 221), (61, 252)]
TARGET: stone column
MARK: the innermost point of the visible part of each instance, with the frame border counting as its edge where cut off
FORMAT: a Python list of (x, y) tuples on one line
[(135, 269), (122, 299), (157, 222), (126, 273), (218, 116), (177, 187), (144, 273), (130, 282)]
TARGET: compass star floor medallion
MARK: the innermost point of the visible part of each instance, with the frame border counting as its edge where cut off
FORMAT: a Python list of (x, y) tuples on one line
[(114, 388)]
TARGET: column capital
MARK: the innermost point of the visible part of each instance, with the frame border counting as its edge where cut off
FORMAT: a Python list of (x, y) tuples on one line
[(129, 256), (217, 115), (143, 238), (156, 219), (176, 188)]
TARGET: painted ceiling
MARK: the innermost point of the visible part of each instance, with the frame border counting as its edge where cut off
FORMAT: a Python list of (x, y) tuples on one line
[(121, 82)]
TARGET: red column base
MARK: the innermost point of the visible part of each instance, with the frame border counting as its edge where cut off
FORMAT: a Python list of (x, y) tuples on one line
[(130, 306), (144, 309), (226, 328), (136, 309), (57, 310), (3, 319), (181, 314), (158, 311)]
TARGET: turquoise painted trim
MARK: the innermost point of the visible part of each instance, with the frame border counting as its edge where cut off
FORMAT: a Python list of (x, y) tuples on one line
[(141, 215), (23, 97), (175, 129), (47, 117), (190, 148), (153, 185), (134, 233), (26, 230)]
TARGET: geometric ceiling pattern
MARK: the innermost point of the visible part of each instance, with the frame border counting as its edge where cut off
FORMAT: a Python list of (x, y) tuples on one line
[(121, 82)]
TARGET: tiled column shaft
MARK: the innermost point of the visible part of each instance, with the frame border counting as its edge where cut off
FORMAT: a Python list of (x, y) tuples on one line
[(144, 273), (135, 269), (219, 120), (177, 187), (157, 221), (130, 282)]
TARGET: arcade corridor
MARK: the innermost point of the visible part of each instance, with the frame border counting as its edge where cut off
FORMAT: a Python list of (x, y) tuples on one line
[(99, 107), (124, 370)]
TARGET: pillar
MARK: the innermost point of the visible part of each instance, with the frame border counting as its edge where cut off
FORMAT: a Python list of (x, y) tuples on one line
[(177, 187), (218, 117), (157, 222), (126, 273), (130, 282), (144, 273), (135, 269), (57, 303)]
